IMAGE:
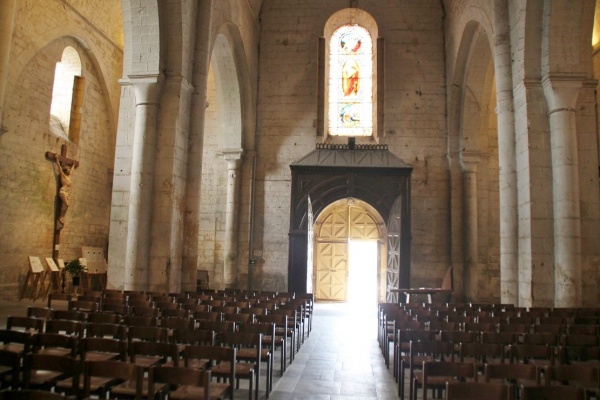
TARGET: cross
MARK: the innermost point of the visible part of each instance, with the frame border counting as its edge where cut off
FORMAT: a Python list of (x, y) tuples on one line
[(64, 160)]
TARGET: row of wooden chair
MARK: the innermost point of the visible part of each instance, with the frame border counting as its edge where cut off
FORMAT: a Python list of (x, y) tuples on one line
[(435, 375)]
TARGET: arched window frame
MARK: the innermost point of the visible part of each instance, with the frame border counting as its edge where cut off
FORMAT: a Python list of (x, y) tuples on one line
[(67, 95), (350, 16)]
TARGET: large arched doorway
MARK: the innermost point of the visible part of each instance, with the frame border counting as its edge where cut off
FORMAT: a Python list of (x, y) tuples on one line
[(348, 245), (369, 173)]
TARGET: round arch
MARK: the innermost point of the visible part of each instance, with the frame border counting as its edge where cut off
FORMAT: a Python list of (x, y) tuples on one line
[(342, 231)]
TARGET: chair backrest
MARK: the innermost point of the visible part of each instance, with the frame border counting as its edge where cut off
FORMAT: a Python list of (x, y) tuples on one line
[(512, 372), (10, 361), (104, 318), (30, 395), (110, 330), (482, 352), (208, 316), (194, 336), (70, 315), (176, 323), (102, 344), (576, 374), (217, 326), (49, 362), (183, 383), (24, 324), (45, 341), (166, 351), (61, 298), (119, 370), (39, 312), (139, 320), (454, 370), (147, 333), (552, 393), (476, 391), (68, 327), (528, 353)]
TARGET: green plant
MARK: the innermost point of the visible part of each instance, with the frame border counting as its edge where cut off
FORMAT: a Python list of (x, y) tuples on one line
[(75, 267)]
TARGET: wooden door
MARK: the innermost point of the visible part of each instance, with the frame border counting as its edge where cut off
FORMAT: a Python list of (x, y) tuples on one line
[(393, 256), (332, 271)]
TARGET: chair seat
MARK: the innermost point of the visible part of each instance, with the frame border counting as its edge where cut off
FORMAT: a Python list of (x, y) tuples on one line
[(147, 361), (219, 390), (41, 377), (55, 351), (198, 363), (241, 369), (95, 383), (100, 356), (186, 392), (128, 388)]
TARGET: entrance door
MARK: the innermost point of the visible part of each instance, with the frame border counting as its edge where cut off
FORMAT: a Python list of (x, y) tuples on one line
[(343, 222)]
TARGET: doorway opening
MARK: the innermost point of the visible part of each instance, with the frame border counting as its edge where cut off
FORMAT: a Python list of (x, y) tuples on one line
[(349, 254), (362, 277)]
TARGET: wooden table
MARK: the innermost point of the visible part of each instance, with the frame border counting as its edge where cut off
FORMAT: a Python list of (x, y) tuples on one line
[(427, 291)]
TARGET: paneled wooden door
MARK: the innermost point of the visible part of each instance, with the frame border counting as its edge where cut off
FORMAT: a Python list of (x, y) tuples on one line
[(342, 222)]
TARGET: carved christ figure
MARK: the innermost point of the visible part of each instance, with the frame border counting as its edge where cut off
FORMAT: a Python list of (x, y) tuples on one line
[(65, 188)]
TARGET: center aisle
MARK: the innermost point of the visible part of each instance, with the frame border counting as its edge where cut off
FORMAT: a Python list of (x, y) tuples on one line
[(340, 360)]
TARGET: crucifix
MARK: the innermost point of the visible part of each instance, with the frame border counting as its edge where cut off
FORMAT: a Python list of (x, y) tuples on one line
[(65, 167)]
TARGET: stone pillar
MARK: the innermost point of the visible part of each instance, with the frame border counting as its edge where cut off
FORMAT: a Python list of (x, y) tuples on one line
[(234, 161), (7, 21), (561, 93), (147, 90), (509, 235), (469, 162)]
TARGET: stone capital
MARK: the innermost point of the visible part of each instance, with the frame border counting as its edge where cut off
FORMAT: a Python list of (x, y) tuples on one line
[(469, 160), (562, 90), (233, 157), (147, 88)]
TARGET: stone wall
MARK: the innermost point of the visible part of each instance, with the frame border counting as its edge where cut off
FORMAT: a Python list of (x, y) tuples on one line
[(29, 186)]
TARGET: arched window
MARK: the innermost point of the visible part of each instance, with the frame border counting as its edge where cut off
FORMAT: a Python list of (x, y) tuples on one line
[(67, 96), (350, 75), (350, 82)]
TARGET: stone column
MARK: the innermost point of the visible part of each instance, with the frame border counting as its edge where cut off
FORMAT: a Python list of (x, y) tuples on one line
[(7, 21), (234, 161), (561, 93), (509, 235), (469, 162), (147, 90)]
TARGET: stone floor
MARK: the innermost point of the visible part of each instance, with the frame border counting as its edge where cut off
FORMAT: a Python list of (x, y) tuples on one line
[(339, 360)]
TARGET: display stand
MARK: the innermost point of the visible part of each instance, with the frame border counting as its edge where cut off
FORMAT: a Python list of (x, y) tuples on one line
[(34, 281), (96, 267), (55, 274)]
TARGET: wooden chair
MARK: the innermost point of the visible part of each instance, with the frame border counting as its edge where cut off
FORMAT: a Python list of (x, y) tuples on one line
[(538, 354), (102, 349), (58, 301), (435, 374), (17, 342), (178, 383), (65, 327), (268, 348), (70, 315), (419, 353), (109, 374), (221, 361), (147, 334), (402, 347), (104, 317), (207, 316), (39, 312), (514, 375), (24, 324), (55, 344), (10, 368), (140, 320), (106, 330), (482, 353), (580, 375), (152, 353), (477, 391), (283, 334), (552, 393), (44, 371), (30, 395), (248, 369)]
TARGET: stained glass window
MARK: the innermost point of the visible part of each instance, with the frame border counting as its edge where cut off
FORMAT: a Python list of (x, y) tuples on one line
[(351, 82)]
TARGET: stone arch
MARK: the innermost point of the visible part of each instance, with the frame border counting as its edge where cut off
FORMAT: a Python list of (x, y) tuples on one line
[(473, 157), (336, 224)]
